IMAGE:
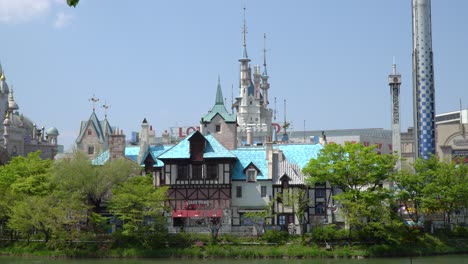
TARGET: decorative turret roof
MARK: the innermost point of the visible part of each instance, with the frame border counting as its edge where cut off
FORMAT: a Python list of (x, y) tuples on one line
[(52, 131), (3, 85), (6, 121), (12, 105), (219, 108)]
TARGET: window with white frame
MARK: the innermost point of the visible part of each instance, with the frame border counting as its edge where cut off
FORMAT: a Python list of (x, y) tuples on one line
[(251, 175)]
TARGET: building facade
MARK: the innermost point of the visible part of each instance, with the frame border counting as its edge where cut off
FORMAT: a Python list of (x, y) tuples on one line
[(20, 135), (254, 118)]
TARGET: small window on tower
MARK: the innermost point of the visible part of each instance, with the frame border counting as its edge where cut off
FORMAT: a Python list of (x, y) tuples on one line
[(90, 132), (90, 150), (250, 102), (218, 128)]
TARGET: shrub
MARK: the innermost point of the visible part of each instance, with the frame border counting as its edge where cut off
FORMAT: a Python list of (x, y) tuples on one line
[(275, 236)]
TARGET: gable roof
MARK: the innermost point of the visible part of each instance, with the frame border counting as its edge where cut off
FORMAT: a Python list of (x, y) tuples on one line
[(213, 149), (300, 154), (131, 152), (292, 171), (247, 156), (155, 152), (296, 157), (98, 127)]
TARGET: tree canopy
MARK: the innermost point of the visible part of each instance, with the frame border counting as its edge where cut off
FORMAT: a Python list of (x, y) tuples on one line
[(72, 2), (357, 174)]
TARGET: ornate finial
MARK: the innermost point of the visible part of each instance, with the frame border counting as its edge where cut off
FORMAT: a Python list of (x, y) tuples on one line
[(11, 93), (264, 55), (94, 100), (105, 106), (244, 33), (2, 78)]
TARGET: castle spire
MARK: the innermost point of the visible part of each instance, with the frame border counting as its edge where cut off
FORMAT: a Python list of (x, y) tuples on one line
[(244, 33), (264, 55), (219, 94)]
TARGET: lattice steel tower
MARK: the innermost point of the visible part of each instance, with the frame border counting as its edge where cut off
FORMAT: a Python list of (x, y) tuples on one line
[(394, 81), (423, 80)]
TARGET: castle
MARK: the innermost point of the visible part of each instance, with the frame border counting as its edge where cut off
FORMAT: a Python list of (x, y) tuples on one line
[(20, 135)]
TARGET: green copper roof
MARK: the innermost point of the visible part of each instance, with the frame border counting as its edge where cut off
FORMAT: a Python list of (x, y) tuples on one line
[(219, 108)]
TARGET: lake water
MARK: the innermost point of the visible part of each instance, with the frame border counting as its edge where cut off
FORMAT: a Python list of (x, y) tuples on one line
[(451, 259)]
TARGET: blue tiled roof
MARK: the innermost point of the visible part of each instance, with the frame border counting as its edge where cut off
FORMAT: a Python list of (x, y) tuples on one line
[(245, 156), (300, 154), (156, 151), (213, 149), (132, 152), (296, 154), (101, 158)]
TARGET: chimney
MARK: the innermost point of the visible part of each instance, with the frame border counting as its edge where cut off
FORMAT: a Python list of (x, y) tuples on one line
[(249, 136), (166, 138), (116, 146)]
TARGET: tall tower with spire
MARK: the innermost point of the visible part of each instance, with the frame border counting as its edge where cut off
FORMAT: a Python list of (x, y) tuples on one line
[(423, 80), (219, 123), (394, 81), (253, 116)]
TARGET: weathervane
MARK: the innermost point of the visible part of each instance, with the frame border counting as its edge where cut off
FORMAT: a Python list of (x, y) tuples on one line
[(105, 106), (94, 100)]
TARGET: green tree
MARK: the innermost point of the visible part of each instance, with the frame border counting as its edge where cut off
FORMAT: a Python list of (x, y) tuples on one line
[(41, 214), (359, 173), (139, 205), (433, 187), (448, 190), (20, 178), (88, 186)]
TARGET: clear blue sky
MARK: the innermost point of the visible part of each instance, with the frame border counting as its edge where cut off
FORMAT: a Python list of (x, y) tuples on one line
[(160, 60)]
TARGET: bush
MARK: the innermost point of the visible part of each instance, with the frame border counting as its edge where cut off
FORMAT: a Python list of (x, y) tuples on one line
[(329, 233), (275, 236)]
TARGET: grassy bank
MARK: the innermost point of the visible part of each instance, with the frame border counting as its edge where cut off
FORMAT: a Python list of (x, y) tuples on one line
[(293, 249)]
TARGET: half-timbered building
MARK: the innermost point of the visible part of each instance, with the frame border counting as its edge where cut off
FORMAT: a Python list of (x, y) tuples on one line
[(198, 172)]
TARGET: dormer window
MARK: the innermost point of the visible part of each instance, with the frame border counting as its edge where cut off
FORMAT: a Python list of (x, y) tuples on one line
[(251, 175), (218, 128), (90, 132), (251, 172)]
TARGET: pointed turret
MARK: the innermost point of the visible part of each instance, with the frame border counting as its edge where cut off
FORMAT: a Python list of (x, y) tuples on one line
[(12, 105), (3, 85), (265, 84), (219, 94), (244, 33)]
